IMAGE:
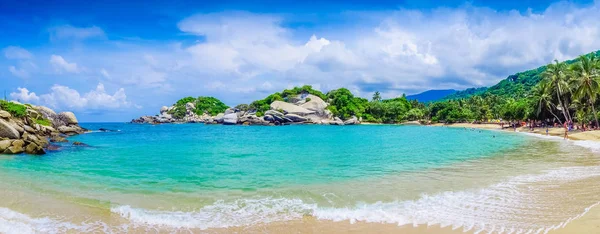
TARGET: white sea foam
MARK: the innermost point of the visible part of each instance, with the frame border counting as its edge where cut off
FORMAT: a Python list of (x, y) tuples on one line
[(18, 223), (504, 207), (592, 145)]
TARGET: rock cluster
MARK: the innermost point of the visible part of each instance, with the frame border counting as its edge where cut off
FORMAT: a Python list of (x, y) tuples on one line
[(301, 109), (29, 135)]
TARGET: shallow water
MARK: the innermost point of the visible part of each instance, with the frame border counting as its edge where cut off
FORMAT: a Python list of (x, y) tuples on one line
[(199, 177)]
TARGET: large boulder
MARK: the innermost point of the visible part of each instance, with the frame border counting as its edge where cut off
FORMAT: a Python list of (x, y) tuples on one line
[(274, 113), (295, 118), (8, 131), (68, 117), (4, 144), (13, 150), (231, 118), (46, 112), (190, 106), (33, 148), (351, 121), (70, 130), (164, 109), (219, 118), (229, 111), (289, 108), (4, 114), (315, 104)]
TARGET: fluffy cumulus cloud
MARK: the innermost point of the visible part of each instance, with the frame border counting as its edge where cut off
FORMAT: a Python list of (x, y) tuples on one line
[(406, 51), (23, 95), (61, 65), (65, 98)]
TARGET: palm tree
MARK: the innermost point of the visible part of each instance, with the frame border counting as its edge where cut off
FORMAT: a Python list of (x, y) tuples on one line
[(542, 94), (376, 96), (555, 76), (586, 80)]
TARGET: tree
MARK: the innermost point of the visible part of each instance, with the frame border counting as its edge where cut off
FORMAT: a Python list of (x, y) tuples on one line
[(542, 97), (555, 75), (585, 80), (376, 96)]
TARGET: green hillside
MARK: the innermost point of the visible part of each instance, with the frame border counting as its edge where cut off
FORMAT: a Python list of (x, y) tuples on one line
[(514, 86)]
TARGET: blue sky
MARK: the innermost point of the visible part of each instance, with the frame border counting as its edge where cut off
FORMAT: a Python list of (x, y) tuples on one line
[(116, 60)]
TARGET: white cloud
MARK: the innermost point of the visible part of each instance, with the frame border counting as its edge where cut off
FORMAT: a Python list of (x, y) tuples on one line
[(18, 72), (104, 73), (15, 52), (77, 33), (24, 96), (63, 97), (240, 57), (60, 64)]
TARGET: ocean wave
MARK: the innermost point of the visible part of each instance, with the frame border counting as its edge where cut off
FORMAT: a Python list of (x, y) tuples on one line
[(18, 223), (507, 207)]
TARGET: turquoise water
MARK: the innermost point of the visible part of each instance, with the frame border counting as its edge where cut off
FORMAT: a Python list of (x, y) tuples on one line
[(196, 158), (143, 178)]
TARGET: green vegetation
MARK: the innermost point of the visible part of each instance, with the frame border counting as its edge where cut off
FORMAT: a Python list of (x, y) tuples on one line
[(16, 110), (203, 105), (44, 122)]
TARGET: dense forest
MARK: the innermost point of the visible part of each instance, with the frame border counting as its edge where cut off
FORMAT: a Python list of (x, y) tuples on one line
[(558, 92)]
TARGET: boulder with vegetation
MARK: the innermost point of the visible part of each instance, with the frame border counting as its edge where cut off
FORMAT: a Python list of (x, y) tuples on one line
[(187, 110), (25, 128)]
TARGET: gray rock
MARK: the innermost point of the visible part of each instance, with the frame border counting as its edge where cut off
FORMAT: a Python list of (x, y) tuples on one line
[(231, 118), (8, 131), (4, 114), (164, 109), (295, 118), (219, 118), (315, 104), (18, 143), (229, 111), (46, 112), (289, 108), (13, 150), (29, 129), (274, 113), (351, 121), (190, 106), (68, 117), (268, 118), (33, 148), (33, 113), (4, 144), (70, 130)]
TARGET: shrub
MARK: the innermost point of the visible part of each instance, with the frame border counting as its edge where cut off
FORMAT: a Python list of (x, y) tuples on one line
[(16, 110), (44, 122)]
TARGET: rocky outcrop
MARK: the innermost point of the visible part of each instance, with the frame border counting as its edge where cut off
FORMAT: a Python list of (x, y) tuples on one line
[(352, 121), (26, 134), (8, 131), (290, 108), (230, 119), (295, 118), (304, 108), (68, 117)]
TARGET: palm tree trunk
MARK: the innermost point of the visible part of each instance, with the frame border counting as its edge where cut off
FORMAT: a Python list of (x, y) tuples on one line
[(595, 115), (568, 112), (561, 104)]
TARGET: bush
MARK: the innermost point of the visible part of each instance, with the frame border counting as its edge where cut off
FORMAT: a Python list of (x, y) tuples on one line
[(44, 122), (16, 110)]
